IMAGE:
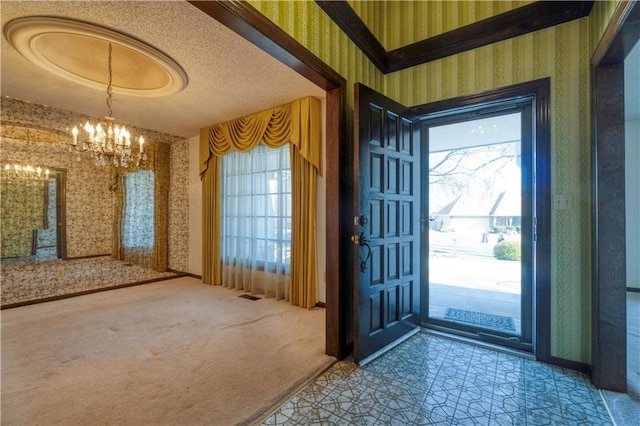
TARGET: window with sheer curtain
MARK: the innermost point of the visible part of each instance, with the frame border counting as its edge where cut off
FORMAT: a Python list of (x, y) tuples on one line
[(256, 220), (137, 240)]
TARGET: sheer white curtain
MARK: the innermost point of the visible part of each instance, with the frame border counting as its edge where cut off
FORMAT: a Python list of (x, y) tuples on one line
[(137, 238), (256, 221)]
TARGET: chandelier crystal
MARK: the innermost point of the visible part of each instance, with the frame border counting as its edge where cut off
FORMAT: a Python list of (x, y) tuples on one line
[(27, 172), (106, 142)]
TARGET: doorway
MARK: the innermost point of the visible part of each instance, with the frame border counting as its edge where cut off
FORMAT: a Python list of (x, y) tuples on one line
[(392, 163), (478, 203), (471, 284)]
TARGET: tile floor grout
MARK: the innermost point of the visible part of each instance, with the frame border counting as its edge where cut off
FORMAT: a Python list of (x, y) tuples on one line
[(431, 380)]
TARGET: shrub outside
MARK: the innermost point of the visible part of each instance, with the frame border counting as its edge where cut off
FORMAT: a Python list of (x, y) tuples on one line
[(507, 250)]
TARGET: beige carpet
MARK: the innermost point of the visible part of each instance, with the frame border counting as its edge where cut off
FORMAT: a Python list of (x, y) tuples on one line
[(176, 352)]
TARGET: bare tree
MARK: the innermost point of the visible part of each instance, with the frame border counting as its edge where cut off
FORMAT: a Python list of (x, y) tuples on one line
[(469, 169)]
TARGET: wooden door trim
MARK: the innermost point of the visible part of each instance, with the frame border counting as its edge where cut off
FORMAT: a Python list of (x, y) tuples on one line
[(61, 212), (250, 24), (608, 239)]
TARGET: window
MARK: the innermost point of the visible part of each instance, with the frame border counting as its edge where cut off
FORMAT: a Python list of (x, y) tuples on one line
[(256, 208), (138, 210)]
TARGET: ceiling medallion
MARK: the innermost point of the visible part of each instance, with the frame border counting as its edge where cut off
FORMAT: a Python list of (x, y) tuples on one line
[(75, 50)]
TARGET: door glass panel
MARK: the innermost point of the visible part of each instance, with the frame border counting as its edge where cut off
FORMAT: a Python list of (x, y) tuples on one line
[(475, 224)]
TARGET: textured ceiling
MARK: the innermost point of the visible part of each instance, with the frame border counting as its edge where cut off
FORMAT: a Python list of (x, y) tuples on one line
[(228, 76)]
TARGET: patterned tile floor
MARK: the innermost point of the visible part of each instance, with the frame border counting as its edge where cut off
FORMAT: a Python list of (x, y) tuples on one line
[(430, 380)]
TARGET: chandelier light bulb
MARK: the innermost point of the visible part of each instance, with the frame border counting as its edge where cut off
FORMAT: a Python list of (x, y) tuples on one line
[(27, 172), (107, 142), (74, 131)]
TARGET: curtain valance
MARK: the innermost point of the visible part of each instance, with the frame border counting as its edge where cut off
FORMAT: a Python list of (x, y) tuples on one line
[(298, 122)]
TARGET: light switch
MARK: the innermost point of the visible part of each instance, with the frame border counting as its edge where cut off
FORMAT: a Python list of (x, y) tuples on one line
[(563, 201)]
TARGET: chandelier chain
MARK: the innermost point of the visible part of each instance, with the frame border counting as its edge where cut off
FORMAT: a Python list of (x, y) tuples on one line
[(106, 141), (109, 87)]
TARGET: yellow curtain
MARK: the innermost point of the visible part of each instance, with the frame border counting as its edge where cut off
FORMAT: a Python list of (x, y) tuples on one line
[(298, 123), (158, 157)]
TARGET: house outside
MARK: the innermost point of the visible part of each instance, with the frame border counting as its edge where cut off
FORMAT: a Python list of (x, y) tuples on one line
[(470, 214)]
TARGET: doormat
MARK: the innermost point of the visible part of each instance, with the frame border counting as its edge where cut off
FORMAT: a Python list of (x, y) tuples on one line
[(250, 297), (481, 319)]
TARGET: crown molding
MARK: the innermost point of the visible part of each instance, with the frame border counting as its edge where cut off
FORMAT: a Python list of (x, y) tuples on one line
[(516, 22)]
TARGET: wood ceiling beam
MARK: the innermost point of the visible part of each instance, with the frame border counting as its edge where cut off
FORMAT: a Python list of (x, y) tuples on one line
[(355, 28), (516, 22)]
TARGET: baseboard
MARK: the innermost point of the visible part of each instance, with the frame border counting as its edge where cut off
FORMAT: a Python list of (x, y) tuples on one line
[(185, 274), (82, 293), (321, 305), (91, 256), (572, 365)]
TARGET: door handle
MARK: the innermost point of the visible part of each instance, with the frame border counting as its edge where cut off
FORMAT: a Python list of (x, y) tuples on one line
[(365, 242)]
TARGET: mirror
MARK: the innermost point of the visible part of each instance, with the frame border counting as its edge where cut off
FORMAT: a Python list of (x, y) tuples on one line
[(32, 215), (80, 212)]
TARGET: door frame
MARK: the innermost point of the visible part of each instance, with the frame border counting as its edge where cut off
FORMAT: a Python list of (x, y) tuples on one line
[(608, 238), (523, 106), (247, 22), (60, 176), (540, 91)]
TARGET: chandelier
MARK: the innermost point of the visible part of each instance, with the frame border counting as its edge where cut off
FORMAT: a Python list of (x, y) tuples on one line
[(28, 172), (107, 142)]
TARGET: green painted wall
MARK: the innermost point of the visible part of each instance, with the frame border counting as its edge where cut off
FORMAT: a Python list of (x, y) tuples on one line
[(561, 53)]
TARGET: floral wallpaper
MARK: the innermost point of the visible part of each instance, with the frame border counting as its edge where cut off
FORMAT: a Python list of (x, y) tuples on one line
[(33, 133), (29, 280), (179, 206)]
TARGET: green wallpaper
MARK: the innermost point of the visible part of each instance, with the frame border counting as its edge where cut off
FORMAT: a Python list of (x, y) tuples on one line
[(388, 19), (305, 21), (562, 53), (599, 17)]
